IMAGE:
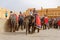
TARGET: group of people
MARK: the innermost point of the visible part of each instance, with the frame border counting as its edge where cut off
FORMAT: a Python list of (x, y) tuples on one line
[(21, 21), (31, 22), (16, 21), (54, 22)]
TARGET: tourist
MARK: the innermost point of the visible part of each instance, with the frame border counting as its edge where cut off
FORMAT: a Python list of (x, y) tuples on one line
[(46, 21), (31, 12), (58, 22), (6, 14), (20, 21)]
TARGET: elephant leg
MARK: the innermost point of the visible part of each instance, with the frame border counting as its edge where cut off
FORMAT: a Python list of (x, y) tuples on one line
[(34, 29), (24, 25), (21, 27), (14, 27), (10, 28), (38, 30), (43, 26), (58, 27), (18, 26), (29, 29), (26, 28)]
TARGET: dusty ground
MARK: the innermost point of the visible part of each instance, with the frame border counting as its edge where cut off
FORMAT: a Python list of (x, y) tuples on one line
[(51, 34)]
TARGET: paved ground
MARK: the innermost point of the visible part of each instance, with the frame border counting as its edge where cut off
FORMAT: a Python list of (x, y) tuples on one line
[(51, 34)]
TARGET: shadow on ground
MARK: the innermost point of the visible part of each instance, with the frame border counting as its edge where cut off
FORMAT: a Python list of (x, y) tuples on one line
[(14, 33)]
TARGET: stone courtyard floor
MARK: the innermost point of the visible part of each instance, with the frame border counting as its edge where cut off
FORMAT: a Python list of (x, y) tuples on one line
[(51, 34)]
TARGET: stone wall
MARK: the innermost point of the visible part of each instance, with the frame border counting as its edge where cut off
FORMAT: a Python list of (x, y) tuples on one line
[(2, 25), (50, 12), (2, 13)]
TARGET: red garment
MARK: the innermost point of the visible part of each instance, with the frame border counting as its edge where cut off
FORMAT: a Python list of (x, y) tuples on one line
[(38, 21), (46, 20), (16, 17), (58, 23)]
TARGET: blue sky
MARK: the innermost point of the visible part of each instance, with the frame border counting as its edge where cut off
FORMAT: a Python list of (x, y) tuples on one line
[(22, 5)]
